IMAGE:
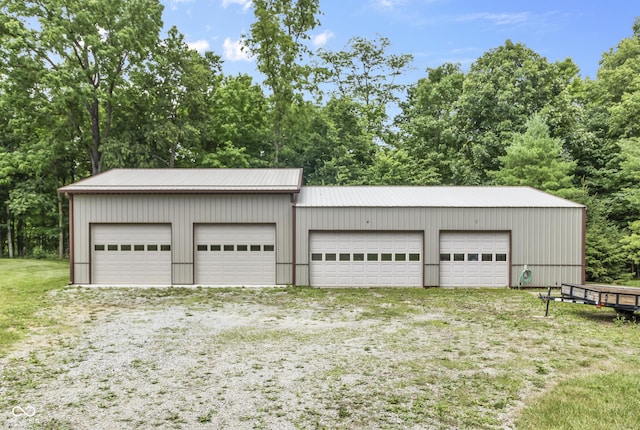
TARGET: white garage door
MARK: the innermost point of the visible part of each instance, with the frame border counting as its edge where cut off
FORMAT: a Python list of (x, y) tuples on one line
[(235, 254), (131, 254), (365, 259), (474, 259)]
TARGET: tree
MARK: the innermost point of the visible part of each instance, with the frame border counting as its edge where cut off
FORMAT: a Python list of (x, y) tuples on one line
[(611, 118), (174, 90), (84, 52), (537, 160), (237, 133), (631, 245), (276, 41), (366, 74), (426, 130), (502, 89)]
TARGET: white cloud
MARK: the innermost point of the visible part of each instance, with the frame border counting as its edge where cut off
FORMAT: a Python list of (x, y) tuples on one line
[(389, 4), (497, 18), (245, 4), (199, 45), (233, 50), (322, 38), (173, 4)]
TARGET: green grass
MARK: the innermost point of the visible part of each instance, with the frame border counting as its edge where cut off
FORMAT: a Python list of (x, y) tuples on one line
[(23, 288), (598, 401)]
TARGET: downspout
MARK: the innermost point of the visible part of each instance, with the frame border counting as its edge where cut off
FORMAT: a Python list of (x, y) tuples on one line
[(293, 239), (584, 245), (71, 247)]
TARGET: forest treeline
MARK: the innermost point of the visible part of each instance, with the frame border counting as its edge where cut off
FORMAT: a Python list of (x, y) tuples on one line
[(89, 86)]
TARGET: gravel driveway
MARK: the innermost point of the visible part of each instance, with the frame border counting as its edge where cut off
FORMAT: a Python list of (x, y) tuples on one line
[(245, 359)]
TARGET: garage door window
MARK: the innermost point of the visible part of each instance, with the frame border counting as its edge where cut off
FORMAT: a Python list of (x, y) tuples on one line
[(401, 257), (487, 257), (255, 247), (112, 247), (99, 247), (458, 257), (316, 257), (386, 257), (345, 257), (445, 257), (372, 257), (414, 257), (501, 257), (472, 257), (165, 247), (241, 247), (330, 257), (269, 248)]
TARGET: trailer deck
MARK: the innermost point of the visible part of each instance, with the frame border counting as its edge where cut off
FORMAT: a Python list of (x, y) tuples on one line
[(625, 300)]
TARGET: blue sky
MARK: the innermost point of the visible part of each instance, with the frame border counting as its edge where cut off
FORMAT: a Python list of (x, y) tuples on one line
[(434, 31)]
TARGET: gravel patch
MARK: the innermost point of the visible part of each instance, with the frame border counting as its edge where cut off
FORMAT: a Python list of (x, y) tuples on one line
[(193, 360)]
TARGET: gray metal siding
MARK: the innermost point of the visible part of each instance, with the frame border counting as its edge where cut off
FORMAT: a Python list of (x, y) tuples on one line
[(182, 211), (548, 240)]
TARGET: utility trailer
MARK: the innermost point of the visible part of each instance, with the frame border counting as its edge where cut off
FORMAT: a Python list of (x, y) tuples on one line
[(625, 300)]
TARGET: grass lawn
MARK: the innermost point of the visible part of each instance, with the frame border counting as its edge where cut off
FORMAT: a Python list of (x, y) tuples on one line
[(301, 357), (23, 288)]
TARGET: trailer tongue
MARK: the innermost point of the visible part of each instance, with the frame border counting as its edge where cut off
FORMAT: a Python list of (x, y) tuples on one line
[(625, 300)]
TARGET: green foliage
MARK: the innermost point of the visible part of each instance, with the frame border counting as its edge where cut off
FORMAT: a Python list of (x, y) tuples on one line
[(502, 89), (605, 260), (366, 74), (537, 160), (81, 53), (631, 243), (427, 132), (275, 40)]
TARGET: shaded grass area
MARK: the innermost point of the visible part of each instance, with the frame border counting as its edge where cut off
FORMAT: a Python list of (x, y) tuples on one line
[(599, 401), (23, 288)]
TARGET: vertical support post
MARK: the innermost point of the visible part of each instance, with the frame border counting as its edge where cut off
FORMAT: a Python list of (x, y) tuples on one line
[(546, 312)]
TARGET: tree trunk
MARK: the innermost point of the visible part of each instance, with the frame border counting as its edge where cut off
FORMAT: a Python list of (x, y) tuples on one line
[(19, 231), (276, 146), (9, 235), (96, 154)]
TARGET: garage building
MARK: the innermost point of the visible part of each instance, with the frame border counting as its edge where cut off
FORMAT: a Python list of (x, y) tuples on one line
[(183, 226), (262, 227), (437, 236)]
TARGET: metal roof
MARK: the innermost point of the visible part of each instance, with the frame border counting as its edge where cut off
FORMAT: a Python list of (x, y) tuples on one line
[(417, 196), (190, 181)]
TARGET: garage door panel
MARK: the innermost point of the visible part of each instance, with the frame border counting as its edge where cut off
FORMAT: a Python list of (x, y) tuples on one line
[(235, 254), (368, 259), (474, 259), (131, 254)]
